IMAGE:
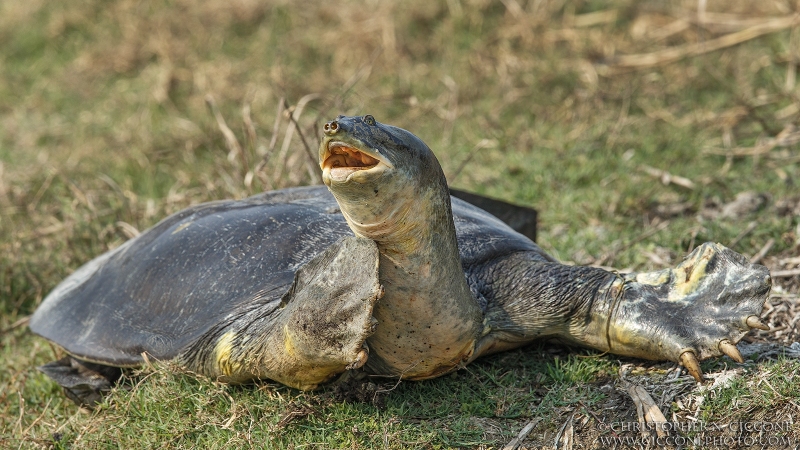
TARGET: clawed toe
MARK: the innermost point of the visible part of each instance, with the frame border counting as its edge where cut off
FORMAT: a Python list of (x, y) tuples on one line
[(689, 361), (730, 350), (755, 322)]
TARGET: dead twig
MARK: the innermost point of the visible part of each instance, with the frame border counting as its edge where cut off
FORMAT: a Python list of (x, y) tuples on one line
[(44, 410), (252, 138), (668, 55), (296, 412), (249, 126), (610, 256), (294, 115), (18, 323), (788, 137), (312, 159), (42, 189), (363, 72), (750, 227), (649, 415), (276, 127), (482, 144), (234, 148), (513, 8), (785, 273), (526, 430), (763, 252), (566, 435), (668, 178), (598, 419), (127, 229)]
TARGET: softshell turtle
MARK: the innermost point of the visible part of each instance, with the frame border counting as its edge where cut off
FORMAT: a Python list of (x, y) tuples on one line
[(276, 286)]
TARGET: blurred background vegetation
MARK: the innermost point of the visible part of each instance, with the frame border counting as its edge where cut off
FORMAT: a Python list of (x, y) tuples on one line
[(638, 129)]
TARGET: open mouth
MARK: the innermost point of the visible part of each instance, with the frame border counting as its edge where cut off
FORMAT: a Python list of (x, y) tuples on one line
[(341, 161)]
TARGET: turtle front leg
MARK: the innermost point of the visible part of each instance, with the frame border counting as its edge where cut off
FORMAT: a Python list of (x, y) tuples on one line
[(317, 331), (698, 310)]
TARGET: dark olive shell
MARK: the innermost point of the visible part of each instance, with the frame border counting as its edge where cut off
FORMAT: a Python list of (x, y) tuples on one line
[(165, 289)]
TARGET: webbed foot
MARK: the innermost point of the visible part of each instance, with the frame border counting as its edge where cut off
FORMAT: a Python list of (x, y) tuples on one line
[(698, 310), (84, 383)]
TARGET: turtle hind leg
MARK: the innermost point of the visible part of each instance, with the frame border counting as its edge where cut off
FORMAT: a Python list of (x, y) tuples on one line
[(697, 310), (84, 382)]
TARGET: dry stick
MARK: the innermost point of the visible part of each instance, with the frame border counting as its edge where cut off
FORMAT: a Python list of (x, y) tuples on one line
[(733, 22), (129, 230), (80, 195), (252, 137), (46, 184), (482, 144), (750, 227), (793, 260), (37, 419), (667, 178), (671, 29), (623, 116), (642, 61), (313, 160), (117, 190), (609, 256), (21, 412), (785, 273), (646, 409), (296, 112), (566, 434), (276, 127), (788, 137), (359, 75), (598, 419), (20, 322), (763, 252), (515, 443), (230, 139), (249, 126), (513, 8), (752, 151), (451, 113)]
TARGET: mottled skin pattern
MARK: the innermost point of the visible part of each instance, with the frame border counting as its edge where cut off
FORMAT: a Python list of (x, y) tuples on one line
[(265, 287)]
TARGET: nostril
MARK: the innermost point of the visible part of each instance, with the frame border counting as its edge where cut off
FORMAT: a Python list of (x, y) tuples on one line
[(331, 127)]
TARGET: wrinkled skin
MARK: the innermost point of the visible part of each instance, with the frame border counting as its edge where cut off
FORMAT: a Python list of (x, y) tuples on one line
[(272, 287)]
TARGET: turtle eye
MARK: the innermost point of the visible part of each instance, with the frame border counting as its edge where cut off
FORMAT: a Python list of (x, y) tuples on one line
[(369, 120)]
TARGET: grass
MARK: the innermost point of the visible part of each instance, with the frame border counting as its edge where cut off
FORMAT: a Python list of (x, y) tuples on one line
[(105, 128)]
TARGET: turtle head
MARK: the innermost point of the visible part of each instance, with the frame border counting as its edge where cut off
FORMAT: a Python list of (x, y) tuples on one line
[(378, 174)]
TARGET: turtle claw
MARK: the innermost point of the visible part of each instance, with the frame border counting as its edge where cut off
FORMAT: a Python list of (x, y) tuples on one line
[(755, 322), (730, 350), (360, 359), (689, 361)]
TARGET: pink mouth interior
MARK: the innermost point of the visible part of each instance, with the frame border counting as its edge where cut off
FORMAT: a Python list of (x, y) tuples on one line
[(343, 160)]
